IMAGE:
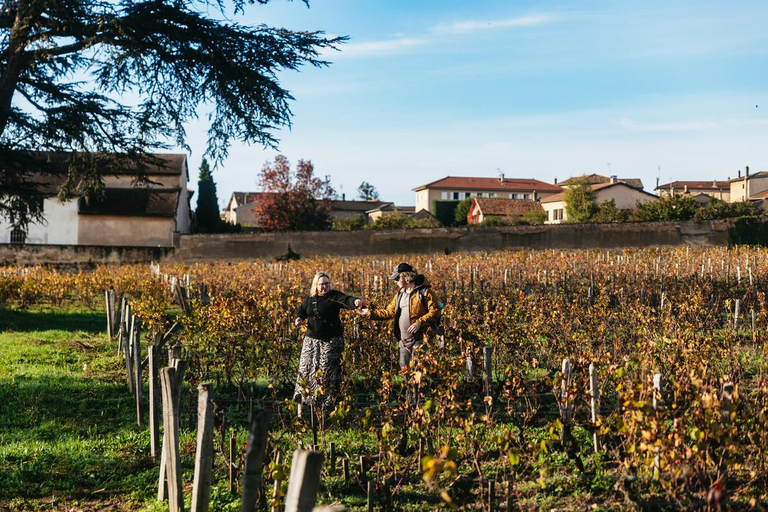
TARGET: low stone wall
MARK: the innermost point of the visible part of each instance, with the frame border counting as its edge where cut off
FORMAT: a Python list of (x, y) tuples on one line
[(447, 240), (78, 256)]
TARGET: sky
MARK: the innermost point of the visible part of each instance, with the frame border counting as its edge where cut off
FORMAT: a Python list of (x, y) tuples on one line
[(545, 90)]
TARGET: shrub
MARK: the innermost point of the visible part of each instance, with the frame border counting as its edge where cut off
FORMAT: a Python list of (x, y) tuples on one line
[(349, 224), (462, 209), (534, 217), (445, 211), (672, 207), (717, 209), (608, 213)]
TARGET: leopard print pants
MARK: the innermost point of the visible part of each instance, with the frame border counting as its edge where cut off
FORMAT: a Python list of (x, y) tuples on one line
[(324, 357)]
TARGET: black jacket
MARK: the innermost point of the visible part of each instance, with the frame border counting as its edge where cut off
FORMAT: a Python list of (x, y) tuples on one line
[(323, 314)]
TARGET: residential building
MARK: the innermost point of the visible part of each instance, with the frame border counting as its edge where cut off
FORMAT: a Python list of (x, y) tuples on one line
[(151, 214), (748, 186), (456, 188), (597, 179), (388, 209), (350, 209), (717, 189), (504, 208), (239, 209), (625, 196)]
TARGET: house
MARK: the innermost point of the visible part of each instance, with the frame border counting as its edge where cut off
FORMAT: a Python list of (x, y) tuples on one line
[(388, 209), (717, 189), (350, 209), (625, 196), (151, 214), (747, 187), (239, 209), (456, 188), (501, 207), (596, 179)]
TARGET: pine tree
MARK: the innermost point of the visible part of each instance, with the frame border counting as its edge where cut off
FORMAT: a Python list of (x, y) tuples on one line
[(207, 218)]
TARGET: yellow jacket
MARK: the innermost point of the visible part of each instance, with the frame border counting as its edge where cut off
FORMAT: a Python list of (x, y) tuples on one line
[(427, 318)]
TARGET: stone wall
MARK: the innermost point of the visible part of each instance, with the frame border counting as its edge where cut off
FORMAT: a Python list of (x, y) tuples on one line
[(447, 240), (78, 256)]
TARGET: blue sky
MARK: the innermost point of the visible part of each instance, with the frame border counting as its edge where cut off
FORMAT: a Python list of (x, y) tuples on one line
[(426, 89)]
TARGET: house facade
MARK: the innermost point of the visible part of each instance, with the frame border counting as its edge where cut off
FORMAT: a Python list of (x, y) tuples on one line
[(625, 196), (748, 186), (150, 215), (504, 208), (239, 209), (717, 189), (457, 188)]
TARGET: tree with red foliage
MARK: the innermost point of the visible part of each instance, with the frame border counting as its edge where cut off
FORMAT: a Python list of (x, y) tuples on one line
[(293, 200)]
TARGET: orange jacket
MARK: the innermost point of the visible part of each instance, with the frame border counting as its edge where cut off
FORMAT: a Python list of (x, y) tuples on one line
[(427, 318)]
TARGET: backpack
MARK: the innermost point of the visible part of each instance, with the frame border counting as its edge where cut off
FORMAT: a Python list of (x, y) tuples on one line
[(440, 306)]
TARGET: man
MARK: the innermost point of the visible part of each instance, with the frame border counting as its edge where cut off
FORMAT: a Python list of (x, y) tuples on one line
[(415, 310)]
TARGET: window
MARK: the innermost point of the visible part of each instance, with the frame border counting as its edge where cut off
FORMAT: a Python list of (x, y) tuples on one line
[(526, 196), (444, 195), (18, 236), (456, 195)]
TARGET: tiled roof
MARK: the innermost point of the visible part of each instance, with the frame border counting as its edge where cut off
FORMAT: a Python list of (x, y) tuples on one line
[(594, 179), (134, 202), (58, 162), (505, 207), (356, 206), (761, 174), (490, 184), (245, 197), (759, 195), (597, 187), (694, 185)]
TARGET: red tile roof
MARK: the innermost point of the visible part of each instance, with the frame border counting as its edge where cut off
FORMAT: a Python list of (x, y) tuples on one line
[(594, 179), (505, 207), (597, 187), (490, 184), (695, 185)]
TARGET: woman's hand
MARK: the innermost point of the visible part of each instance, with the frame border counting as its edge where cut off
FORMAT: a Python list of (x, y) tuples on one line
[(414, 328), (362, 312), (298, 322)]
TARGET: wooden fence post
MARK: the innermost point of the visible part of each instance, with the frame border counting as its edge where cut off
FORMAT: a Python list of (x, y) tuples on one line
[(276, 487), (304, 481), (201, 488), (231, 466), (332, 460), (254, 460), (488, 367), (658, 399), (594, 392), (170, 378), (128, 355), (566, 401), (736, 309), (137, 384), (154, 400)]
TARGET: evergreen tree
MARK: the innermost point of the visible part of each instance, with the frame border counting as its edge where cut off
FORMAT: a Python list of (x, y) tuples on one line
[(367, 192), (580, 204), (207, 218)]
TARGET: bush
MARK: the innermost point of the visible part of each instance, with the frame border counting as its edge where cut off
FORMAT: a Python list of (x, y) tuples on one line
[(749, 230), (673, 207), (445, 211), (462, 209), (494, 221), (608, 213), (534, 217), (349, 224), (717, 209)]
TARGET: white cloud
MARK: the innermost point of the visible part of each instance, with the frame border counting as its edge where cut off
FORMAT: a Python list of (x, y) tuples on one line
[(385, 47), (469, 26), (676, 126)]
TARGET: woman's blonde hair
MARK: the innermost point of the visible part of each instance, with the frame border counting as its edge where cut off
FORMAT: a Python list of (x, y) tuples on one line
[(409, 276), (315, 280)]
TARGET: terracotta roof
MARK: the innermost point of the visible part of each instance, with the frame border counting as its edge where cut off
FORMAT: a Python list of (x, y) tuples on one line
[(594, 179), (58, 162), (694, 185), (390, 207), (356, 206), (505, 207), (597, 187), (759, 195), (490, 184), (133, 202)]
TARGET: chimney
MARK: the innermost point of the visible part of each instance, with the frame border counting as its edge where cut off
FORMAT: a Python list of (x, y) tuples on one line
[(555, 180), (613, 179), (685, 189), (657, 182), (746, 172), (343, 196), (501, 178), (739, 173)]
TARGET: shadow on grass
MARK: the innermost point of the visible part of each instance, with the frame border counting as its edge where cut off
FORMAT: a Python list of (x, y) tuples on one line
[(93, 322)]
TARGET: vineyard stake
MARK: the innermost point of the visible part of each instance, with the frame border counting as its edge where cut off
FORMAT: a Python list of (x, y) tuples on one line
[(491, 494), (488, 367), (369, 492), (303, 482), (254, 460), (566, 404), (231, 465), (657, 401), (332, 459), (594, 392), (171, 388), (736, 314), (276, 486), (154, 401), (201, 487), (727, 404), (128, 355), (345, 470), (363, 476), (138, 388)]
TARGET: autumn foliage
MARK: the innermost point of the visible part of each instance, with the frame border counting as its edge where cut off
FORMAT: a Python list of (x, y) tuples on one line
[(293, 200)]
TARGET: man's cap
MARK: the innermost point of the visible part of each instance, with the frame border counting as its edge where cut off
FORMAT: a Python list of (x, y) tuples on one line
[(403, 267)]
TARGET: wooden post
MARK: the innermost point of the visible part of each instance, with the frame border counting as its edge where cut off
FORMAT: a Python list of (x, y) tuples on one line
[(363, 476), (369, 493), (332, 460), (231, 467), (276, 486), (594, 392), (488, 367), (138, 388), (736, 309), (304, 481), (128, 356), (313, 423), (727, 404), (657, 401), (201, 487), (171, 384), (109, 302), (491, 495), (470, 372), (566, 401), (254, 460), (154, 401), (345, 470)]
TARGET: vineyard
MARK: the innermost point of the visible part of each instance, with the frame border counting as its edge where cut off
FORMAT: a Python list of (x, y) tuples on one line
[(578, 379)]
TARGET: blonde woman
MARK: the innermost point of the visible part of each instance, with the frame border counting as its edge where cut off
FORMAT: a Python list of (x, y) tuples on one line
[(323, 342)]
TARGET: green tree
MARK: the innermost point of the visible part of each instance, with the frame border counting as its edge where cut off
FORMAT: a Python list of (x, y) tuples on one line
[(367, 192), (671, 207), (717, 209), (535, 217), (71, 69), (461, 211), (608, 213), (580, 204), (207, 218)]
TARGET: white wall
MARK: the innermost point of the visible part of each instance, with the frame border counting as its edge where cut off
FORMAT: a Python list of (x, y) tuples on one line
[(59, 228)]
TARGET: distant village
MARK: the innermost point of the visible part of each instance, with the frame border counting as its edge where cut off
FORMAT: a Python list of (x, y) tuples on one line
[(159, 211)]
